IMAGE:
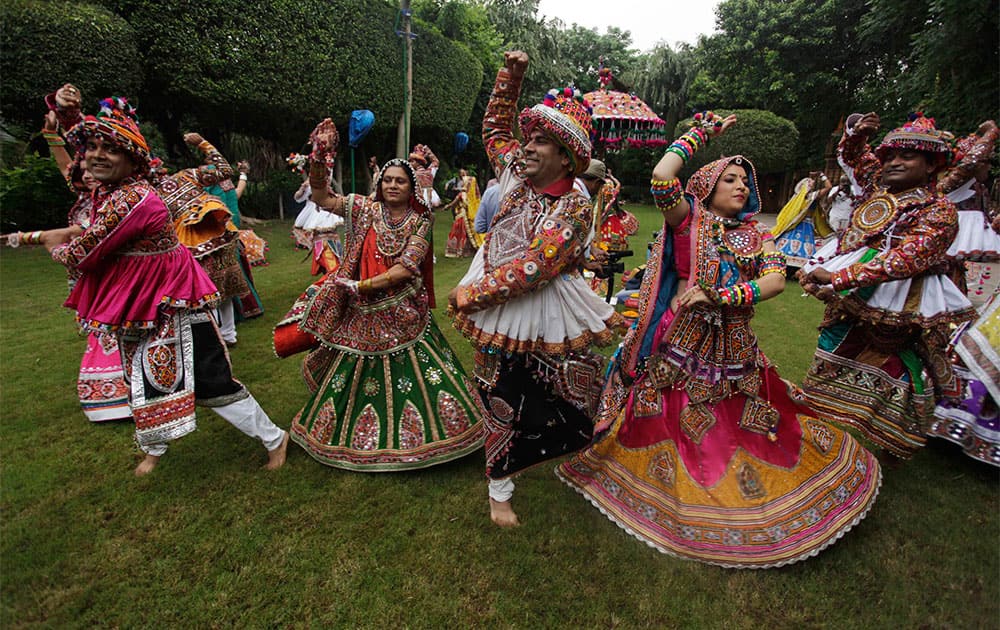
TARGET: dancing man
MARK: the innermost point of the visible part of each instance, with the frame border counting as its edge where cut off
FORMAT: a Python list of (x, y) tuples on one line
[(523, 302), (892, 296), (138, 282)]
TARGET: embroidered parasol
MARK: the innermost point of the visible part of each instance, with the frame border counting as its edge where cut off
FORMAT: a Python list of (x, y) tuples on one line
[(621, 119)]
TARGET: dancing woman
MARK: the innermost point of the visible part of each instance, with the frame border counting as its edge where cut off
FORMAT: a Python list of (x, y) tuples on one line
[(388, 392), (706, 454), (463, 240)]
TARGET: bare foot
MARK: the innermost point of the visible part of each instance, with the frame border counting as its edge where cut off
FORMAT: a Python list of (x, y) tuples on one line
[(276, 458), (502, 514), (147, 465)]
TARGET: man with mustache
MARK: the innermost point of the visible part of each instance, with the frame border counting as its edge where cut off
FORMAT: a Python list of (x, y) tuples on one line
[(892, 294), (523, 302), (138, 282)]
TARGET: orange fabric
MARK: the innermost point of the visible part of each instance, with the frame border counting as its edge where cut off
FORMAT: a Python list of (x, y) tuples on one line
[(372, 262)]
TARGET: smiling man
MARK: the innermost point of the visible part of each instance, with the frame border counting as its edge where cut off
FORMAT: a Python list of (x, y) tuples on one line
[(892, 295), (523, 302), (136, 281)]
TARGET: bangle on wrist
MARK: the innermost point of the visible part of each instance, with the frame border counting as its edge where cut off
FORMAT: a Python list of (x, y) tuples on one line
[(688, 144), (667, 194), (243, 177), (53, 139)]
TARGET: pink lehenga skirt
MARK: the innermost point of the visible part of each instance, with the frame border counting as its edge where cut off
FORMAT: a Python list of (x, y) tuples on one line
[(101, 384)]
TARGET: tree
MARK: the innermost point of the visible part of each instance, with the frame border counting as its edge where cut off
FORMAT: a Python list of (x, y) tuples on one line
[(945, 63), (517, 21), (46, 44), (467, 23), (220, 66), (767, 56), (582, 50), (663, 78)]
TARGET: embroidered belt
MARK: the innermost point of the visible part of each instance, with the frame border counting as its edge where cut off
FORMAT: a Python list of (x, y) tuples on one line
[(152, 253)]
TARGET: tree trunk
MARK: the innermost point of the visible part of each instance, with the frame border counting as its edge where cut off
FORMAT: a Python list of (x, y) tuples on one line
[(403, 134)]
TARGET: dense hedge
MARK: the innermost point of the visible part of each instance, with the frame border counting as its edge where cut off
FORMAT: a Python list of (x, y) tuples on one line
[(46, 44), (766, 138), (229, 69), (33, 196)]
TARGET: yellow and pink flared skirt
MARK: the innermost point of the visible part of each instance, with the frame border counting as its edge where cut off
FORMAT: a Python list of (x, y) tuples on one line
[(706, 488)]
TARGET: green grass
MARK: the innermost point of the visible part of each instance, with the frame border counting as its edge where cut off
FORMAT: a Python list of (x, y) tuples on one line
[(210, 540)]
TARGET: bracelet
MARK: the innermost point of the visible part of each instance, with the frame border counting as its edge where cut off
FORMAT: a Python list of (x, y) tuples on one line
[(31, 238), (689, 143), (365, 285), (53, 139), (735, 295), (243, 177), (667, 194), (771, 262)]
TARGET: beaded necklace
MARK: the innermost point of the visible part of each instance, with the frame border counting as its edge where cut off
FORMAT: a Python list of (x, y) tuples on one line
[(395, 223), (742, 242), (391, 236)]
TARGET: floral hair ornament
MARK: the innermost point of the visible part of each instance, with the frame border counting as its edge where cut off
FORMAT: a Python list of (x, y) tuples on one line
[(566, 116), (115, 123), (919, 133), (297, 162)]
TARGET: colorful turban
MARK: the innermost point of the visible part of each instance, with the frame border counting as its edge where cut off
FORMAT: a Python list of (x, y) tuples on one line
[(702, 183), (918, 134), (115, 123), (565, 116)]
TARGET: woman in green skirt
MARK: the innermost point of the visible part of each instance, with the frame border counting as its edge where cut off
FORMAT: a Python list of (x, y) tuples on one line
[(388, 392)]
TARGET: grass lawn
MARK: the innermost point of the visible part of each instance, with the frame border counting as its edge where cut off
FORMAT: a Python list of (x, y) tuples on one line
[(211, 540)]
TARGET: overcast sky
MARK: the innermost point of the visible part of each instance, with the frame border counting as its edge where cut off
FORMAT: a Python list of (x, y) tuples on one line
[(649, 21)]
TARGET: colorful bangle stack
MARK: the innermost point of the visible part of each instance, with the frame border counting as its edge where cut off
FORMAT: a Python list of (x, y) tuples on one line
[(688, 144), (736, 295), (666, 193), (53, 139), (771, 262), (25, 238)]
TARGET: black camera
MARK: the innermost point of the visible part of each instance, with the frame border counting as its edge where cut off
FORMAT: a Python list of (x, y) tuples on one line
[(614, 264)]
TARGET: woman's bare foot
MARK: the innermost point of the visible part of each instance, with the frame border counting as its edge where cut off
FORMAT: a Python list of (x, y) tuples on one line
[(147, 465), (502, 514), (276, 458)]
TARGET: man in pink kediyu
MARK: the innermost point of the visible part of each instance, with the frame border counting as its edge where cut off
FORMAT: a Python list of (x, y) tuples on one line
[(138, 282)]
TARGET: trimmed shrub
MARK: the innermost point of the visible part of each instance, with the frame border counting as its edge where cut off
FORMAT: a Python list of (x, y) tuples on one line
[(276, 77), (33, 196), (767, 139), (46, 44)]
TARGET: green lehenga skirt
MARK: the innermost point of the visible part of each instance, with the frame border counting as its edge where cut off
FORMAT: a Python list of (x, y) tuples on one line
[(399, 411)]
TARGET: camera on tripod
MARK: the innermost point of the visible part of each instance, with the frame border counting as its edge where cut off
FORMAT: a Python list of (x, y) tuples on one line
[(614, 264)]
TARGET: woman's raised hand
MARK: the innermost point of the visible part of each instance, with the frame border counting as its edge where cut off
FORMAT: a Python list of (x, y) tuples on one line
[(516, 62), (324, 141), (727, 122)]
